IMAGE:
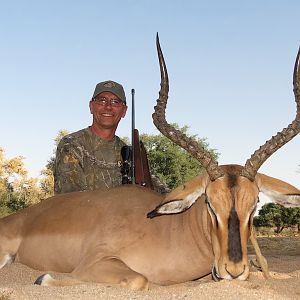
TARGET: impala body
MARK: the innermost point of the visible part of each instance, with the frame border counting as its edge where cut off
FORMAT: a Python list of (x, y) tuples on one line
[(105, 236), (72, 233), (130, 235)]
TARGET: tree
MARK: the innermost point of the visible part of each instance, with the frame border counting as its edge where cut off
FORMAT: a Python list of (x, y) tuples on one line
[(17, 190), (172, 164), (272, 214), (47, 180)]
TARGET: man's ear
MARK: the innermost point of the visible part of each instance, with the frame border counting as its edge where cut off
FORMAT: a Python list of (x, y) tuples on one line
[(91, 106), (278, 191), (182, 198), (124, 111)]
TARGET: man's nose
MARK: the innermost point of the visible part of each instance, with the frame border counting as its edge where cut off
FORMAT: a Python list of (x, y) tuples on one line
[(108, 104)]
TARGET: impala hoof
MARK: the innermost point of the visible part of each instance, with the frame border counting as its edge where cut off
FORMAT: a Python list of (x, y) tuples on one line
[(215, 275), (42, 280)]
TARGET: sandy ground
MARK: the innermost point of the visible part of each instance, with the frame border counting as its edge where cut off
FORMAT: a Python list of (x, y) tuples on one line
[(283, 255)]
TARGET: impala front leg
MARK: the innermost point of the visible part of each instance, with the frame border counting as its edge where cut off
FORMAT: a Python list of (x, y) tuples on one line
[(260, 258), (109, 270)]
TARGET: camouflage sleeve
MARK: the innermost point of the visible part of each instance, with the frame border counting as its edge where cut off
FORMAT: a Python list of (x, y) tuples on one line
[(68, 173)]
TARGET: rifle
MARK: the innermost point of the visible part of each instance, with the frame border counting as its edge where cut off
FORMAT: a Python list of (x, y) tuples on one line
[(135, 167)]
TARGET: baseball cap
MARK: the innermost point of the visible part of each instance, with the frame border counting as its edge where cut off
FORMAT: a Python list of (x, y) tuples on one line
[(110, 86)]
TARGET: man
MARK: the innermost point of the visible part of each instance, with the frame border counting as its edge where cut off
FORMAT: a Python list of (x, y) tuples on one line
[(91, 158)]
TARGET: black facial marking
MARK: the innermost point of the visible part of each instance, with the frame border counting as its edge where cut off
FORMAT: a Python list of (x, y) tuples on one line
[(232, 180), (234, 239)]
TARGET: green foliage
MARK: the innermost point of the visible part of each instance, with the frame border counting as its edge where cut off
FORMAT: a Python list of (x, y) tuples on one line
[(172, 164), (47, 180), (51, 161), (125, 139), (5, 194), (274, 215), (16, 201), (4, 210), (17, 190)]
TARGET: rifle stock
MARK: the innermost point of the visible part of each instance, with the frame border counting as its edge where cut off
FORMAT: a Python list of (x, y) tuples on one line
[(141, 175), (142, 171), (135, 169)]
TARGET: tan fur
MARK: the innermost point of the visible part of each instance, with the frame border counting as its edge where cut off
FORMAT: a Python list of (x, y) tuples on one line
[(105, 236)]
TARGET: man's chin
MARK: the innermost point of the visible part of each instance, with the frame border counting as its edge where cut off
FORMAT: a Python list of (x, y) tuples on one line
[(106, 126)]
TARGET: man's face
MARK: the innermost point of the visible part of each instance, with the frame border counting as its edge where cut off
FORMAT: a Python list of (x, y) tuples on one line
[(107, 110)]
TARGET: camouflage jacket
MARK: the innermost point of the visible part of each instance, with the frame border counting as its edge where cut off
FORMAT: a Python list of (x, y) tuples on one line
[(86, 162)]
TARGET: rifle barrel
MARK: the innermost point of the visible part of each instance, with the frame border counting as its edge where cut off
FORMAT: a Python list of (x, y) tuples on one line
[(132, 135)]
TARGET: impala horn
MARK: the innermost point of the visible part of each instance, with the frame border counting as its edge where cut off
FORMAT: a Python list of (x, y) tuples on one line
[(176, 136), (281, 138)]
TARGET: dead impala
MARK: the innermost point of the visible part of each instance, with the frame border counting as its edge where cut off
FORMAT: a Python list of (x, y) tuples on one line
[(105, 236)]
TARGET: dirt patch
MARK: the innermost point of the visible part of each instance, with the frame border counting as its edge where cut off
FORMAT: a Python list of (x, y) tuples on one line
[(277, 245)]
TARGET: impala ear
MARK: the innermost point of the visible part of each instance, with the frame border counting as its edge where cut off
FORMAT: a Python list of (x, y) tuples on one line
[(182, 198), (278, 191)]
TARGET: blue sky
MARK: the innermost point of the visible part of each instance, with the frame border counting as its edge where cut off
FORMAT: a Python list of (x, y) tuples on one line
[(230, 65)]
